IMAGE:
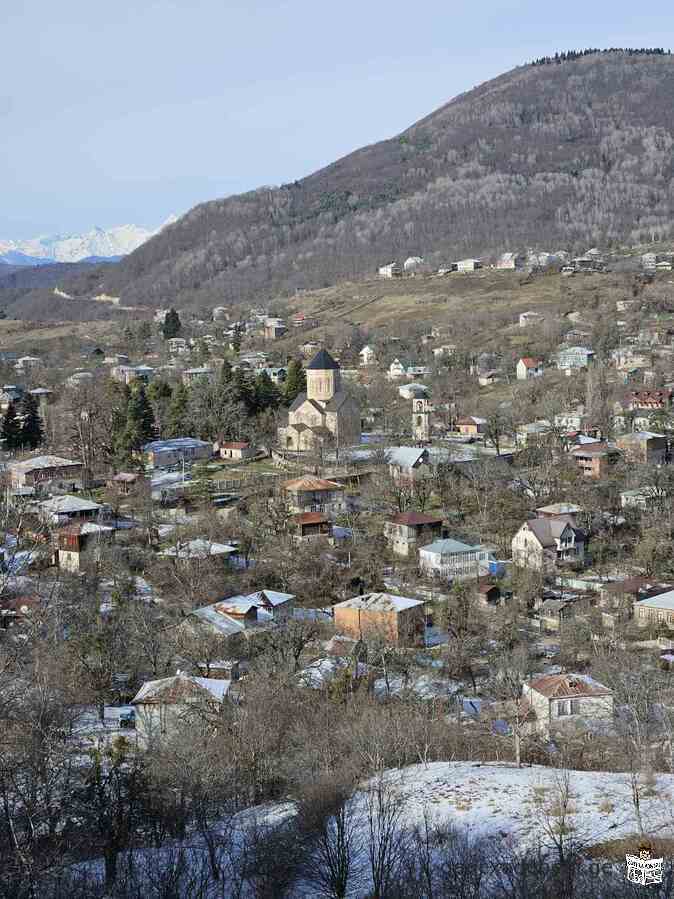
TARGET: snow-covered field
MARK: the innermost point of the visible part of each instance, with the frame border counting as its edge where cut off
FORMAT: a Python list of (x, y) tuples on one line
[(480, 801), (488, 800)]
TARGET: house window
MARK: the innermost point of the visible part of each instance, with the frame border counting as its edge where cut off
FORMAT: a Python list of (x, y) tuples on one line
[(575, 706), (563, 708)]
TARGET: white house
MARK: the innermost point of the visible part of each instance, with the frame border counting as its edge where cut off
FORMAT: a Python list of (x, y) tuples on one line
[(529, 367), (533, 433), (396, 370), (447, 349), (26, 363), (530, 318), (644, 498), (655, 610), (413, 264), (510, 261), (453, 559), (468, 265), (367, 355), (541, 543), (562, 699), (390, 270)]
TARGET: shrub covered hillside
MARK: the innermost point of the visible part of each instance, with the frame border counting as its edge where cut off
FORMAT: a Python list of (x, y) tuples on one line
[(554, 156)]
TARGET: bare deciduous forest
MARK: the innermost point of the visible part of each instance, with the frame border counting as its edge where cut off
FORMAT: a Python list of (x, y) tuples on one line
[(553, 156)]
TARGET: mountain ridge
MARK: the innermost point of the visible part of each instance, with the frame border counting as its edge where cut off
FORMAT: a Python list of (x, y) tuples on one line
[(97, 244), (548, 156)]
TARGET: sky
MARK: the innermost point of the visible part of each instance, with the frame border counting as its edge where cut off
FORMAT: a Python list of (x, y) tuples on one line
[(127, 112)]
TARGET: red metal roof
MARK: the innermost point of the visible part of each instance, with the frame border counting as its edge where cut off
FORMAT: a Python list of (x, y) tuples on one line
[(556, 686), (415, 518), (310, 518)]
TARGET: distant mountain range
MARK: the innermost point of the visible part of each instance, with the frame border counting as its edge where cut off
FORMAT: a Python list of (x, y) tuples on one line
[(98, 245)]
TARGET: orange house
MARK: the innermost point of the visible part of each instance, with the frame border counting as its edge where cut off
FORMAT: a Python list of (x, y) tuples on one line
[(397, 619)]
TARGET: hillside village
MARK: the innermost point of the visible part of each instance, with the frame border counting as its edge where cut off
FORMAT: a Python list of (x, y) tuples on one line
[(344, 532)]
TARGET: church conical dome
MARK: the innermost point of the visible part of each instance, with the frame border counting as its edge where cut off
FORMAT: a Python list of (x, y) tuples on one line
[(322, 361)]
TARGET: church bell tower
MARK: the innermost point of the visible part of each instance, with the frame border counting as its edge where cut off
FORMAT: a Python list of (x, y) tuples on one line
[(421, 420)]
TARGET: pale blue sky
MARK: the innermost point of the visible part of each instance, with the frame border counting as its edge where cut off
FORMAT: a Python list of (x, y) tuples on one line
[(129, 111)]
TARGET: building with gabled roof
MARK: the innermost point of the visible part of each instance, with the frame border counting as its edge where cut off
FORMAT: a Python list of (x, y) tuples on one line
[(61, 509), (163, 705), (314, 494), (241, 615), (397, 619), (529, 367), (543, 543), (408, 463), (409, 530), (471, 425), (43, 470), (559, 699)]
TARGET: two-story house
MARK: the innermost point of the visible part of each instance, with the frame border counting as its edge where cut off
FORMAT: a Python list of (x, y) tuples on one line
[(312, 494), (596, 458), (543, 543), (396, 370), (409, 530)]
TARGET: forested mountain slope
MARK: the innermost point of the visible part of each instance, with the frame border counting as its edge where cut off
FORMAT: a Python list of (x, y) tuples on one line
[(553, 156)]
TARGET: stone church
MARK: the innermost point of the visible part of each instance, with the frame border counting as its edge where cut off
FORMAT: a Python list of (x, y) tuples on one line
[(324, 416)]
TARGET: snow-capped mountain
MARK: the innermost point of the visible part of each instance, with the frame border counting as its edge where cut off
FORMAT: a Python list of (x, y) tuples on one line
[(98, 242)]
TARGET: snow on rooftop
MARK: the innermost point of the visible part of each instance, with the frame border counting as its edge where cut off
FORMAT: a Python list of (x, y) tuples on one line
[(175, 443), (380, 602), (152, 690), (663, 601), (39, 462), (198, 549), (69, 503)]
